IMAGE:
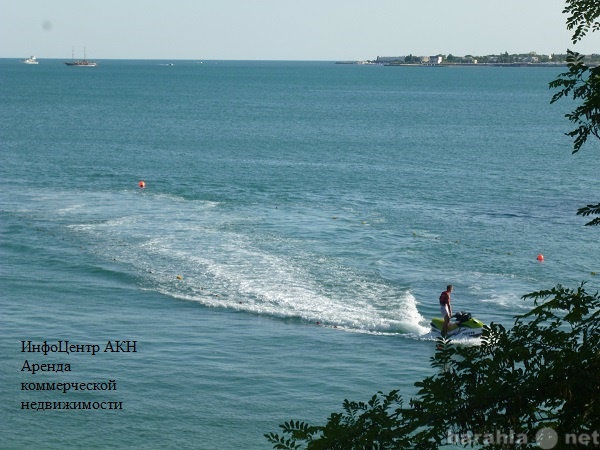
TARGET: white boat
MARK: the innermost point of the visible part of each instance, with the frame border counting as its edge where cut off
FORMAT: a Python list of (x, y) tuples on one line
[(31, 60)]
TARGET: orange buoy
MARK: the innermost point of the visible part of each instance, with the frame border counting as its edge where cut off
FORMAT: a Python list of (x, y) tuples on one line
[(142, 184), (540, 257)]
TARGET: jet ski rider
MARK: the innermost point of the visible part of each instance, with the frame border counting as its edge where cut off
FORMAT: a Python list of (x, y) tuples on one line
[(445, 307)]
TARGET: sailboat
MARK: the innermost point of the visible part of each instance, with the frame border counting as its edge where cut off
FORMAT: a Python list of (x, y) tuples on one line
[(80, 62)]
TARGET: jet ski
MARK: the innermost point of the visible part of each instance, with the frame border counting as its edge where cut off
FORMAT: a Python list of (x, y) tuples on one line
[(463, 326)]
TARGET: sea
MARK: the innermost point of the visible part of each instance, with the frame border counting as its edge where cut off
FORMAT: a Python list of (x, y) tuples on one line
[(195, 252)]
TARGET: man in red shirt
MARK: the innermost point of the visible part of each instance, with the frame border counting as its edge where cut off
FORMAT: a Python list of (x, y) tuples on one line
[(445, 308)]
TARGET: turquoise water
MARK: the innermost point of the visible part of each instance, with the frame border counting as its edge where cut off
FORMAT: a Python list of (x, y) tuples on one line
[(298, 223)]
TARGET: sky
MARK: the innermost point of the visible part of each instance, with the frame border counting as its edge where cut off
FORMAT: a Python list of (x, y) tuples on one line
[(283, 29)]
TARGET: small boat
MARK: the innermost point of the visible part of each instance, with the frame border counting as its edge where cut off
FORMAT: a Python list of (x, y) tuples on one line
[(81, 62), (31, 60)]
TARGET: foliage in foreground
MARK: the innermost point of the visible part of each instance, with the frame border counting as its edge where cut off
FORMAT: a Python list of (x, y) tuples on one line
[(543, 373), (582, 83), (378, 422)]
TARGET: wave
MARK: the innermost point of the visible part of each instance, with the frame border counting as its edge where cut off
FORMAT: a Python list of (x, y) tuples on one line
[(307, 289), (221, 256), (252, 258)]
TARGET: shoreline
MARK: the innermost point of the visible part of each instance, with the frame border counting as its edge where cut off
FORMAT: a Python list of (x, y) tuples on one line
[(516, 64)]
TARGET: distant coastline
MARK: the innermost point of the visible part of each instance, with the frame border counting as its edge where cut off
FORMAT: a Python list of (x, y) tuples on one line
[(553, 64), (530, 59)]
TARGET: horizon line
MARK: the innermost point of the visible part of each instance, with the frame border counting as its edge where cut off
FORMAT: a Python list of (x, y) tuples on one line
[(162, 58)]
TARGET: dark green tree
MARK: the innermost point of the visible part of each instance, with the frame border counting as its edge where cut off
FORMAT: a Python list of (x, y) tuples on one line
[(582, 83), (583, 17), (378, 424), (410, 59), (543, 373), (541, 376)]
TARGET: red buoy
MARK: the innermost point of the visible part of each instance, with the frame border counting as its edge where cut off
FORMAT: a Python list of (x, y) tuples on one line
[(142, 184), (540, 257)]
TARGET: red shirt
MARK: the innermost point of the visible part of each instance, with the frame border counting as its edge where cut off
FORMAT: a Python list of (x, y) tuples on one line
[(445, 298)]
